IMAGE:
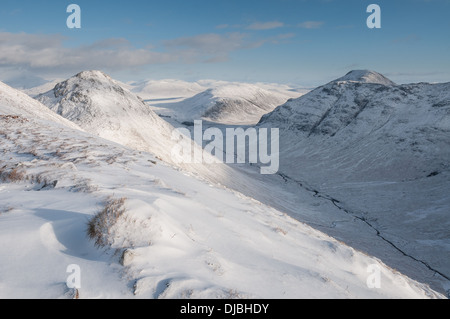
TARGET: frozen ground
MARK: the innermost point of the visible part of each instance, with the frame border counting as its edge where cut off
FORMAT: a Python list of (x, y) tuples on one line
[(383, 152), (177, 237), (373, 158), (255, 227), (165, 233)]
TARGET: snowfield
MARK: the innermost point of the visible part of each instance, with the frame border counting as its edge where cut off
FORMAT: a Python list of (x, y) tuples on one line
[(155, 231), (382, 151), (155, 92), (15, 102), (228, 103)]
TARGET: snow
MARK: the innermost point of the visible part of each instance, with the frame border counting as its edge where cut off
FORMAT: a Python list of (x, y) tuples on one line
[(101, 106), (159, 91), (231, 103), (178, 238), (42, 235), (199, 231), (217, 101), (36, 90), (14, 102), (365, 76), (383, 151)]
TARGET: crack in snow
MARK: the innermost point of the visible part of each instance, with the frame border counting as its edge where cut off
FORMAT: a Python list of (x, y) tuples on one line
[(336, 203)]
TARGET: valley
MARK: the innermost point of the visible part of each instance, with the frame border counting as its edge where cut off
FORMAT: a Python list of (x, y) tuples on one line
[(315, 223)]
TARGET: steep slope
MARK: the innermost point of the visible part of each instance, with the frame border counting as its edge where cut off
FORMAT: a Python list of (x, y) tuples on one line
[(177, 237), (101, 106), (228, 103), (131, 128), (37, 90), (381, 153), (14, 102), (410, 122)]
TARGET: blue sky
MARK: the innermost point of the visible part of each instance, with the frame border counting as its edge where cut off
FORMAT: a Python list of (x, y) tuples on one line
[(300, 42)]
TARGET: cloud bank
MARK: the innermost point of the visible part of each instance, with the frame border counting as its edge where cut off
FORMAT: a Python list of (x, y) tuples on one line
[(47, 55)]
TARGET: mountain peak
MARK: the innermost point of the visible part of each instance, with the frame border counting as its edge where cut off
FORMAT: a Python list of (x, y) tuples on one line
[(92, 74), (87, 82), (365, 76)]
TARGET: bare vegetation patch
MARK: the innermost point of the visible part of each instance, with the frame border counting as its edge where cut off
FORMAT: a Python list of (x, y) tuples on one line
[(12, 175), (281, 231), (33, 152), (99, 227), (13, 118), (84, 187)]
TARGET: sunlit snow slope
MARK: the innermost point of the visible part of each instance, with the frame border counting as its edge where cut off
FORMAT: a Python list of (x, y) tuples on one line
[(229, 103), (101, 106), (383, 151), (176, 237)]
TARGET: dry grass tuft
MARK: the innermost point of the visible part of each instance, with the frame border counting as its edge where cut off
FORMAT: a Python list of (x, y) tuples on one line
[(34, 152), (100, 225), (14, 175), (13, 118)]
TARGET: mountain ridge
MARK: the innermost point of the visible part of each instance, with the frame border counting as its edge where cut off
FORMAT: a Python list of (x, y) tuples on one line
[(164, 234), (103, 107), (15, 102), (228, 103), (382, 151)]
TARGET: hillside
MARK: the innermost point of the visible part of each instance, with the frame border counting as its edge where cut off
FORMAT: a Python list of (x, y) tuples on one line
[(381, 151), (158, 232), (232, 104), (226, 103), (101, 106), (14, 102), (338, 150)]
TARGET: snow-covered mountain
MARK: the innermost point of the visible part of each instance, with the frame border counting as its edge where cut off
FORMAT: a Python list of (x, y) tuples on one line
[(391, 131), (40, 89), (365, 76), (101, 106), (14, 102), (218, 101), (228, 103), (380, 152), (159, 91), (327, 154), (159, 232)]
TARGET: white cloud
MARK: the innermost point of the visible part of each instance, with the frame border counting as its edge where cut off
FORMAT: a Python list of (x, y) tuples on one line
[(210, 47), (47, 51), (48, 57), (266, 25), (311, 24)]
